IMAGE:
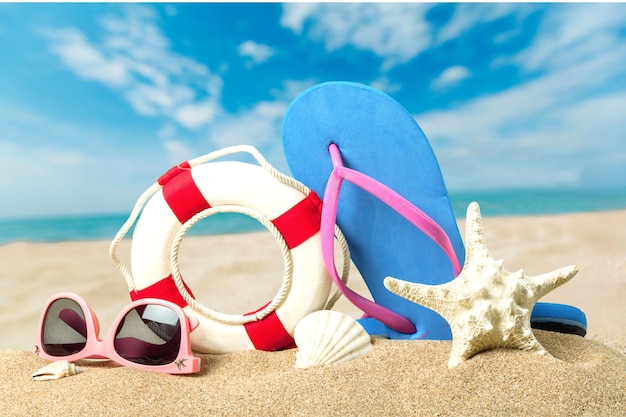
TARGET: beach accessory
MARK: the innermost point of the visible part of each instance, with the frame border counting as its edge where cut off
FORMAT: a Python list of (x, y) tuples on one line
[(196, 189), (325, 337), (487, 306), (56, 370), (393, 206), (148, 334)]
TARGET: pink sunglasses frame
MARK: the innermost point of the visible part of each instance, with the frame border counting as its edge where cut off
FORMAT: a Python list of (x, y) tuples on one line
[(97, 348)]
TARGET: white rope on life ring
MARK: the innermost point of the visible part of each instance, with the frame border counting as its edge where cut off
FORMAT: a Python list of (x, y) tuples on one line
[(175, 203)]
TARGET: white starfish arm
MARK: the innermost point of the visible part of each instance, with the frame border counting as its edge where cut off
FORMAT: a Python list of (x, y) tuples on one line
[(430, 296), (543, 284), (475, 244), (461, 351)]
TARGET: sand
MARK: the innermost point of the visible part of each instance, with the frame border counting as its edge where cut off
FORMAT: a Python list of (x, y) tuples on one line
[(237, 273)]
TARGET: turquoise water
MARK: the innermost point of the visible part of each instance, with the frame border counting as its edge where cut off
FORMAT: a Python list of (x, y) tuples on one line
[(492, 203), (105, 227), (530, 202)]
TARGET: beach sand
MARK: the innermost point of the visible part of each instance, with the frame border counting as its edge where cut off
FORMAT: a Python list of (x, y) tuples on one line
[(238, 273)]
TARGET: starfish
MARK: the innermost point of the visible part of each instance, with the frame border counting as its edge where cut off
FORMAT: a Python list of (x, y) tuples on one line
[(486, 306)]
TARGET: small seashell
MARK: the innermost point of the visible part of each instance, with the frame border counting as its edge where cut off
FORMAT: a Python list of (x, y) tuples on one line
[(56, 370), (325, 337)]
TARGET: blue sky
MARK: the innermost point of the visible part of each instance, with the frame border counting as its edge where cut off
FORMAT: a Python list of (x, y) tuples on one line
[(98, 100)]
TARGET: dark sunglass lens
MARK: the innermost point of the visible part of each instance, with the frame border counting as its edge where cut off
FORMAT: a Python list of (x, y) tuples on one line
[(149, 335), (64, 328)]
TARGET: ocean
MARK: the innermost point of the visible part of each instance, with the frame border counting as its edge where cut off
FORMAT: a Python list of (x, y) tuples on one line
[(492, 203)]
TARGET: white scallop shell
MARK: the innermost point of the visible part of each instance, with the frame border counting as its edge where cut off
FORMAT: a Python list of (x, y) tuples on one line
[(56, 370), (324, 337)]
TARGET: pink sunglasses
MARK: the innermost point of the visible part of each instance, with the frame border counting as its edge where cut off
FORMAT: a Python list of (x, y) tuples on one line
[(148, 334)]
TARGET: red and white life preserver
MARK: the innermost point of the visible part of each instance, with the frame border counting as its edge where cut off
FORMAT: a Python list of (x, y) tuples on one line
[(196, 189)]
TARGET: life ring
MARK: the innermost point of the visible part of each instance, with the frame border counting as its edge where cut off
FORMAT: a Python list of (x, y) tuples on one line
[(196, 189)]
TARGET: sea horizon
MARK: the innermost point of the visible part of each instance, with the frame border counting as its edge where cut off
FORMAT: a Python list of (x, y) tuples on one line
[(511, 202)]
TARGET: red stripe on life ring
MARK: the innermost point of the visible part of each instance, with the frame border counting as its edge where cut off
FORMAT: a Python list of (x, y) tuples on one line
[(269, 334), (164, 289), (172, 172), (182, 194), (300, 222)]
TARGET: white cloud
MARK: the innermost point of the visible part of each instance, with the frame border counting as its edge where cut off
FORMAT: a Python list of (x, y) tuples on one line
[(563, 127), (135, 58), (259, 126), (174, 146), (151, 100), (167, 132), (542, 133), (395, 31), (135, 28), (296, 14), (258, 53), (469, 15), (573, 33), (84, 59), (197, 114), (291, 88), (178, 151), (450, 77), (384, 84)]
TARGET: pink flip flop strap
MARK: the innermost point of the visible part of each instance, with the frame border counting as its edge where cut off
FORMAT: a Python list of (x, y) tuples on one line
[(394, 200)]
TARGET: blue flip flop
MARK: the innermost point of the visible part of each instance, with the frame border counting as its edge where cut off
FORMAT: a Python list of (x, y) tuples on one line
[(392, 208)]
